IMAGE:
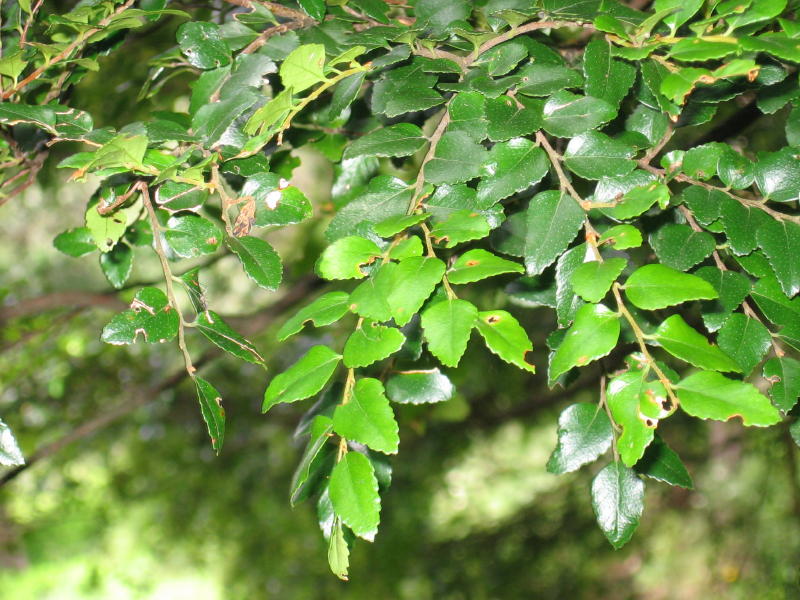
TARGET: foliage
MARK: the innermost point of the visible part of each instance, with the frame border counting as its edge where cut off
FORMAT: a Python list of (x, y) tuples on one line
[(479, 163)]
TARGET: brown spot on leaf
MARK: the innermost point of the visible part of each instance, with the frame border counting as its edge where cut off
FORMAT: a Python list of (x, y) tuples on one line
[(493, 319), (472, 263)]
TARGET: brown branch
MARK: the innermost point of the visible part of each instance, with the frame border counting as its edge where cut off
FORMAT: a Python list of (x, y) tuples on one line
[(60, 300)]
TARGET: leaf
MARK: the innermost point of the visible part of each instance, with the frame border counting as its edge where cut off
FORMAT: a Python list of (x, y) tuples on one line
[(212, 411), (512, 167), (584, 433), (503, 58), (680, 340), (338, 551), (593, 335), (316, 10), (191, 236), (538, 79), (592, 280), (780, 241), (776, 306), (784, 373), (461, 226), (150, 314), (567, 114), (405, 90), (651, 123), (741, 224), (705, 204), (621, 237), (467, 114), (607, 78), (657, 286), (638, 200), (709, 395), (43, 117), (447, 326), (10, 454), (732, 288), (370, 298), (618, 502), (512, 117), (212, 121), (413, 281), (117, 264), (552, 222), (697, 49), (439, 16), (593, 155), (353, 490), (202, 45), (394, 225), (105, 230), (701, 162), (419, 387), (567, 302), (505, 337), (402, 139), (678, 247), (211, 325), (175, 197), (345, 93), (75, 242), (661, 463), (303, 379), (478, 264), (260, 261), (370, 343), (778, 175), (367, 417), (745, 340), (457, 158), (314, 459), (344, 258), (303, 67), (325, 310)]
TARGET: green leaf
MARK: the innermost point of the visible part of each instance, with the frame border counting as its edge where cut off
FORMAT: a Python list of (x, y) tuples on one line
[(594, 155), (105, 230), (413, 281), (174, 197), (778, 175), (553, 219), (780, 241), (651, 123), (697, 49), (353, 489), (627, 396), (190, 236), (458, 158), (741, 224), (338, 550), (202, 45), (325, 310), (762, 10), (467, 114), (316, 10), (260, 261), (10, 454), (394, 225), (512, 166), (784, 373), (567, 114), (447, 326), (314, 459), (505, 337), (512, 117), (680, 340), (419, 387), (370, 343), (607, 78), (402, 139), (43, 117), (370, 298), (150, 314), (478, 264), (211, 325), (344, 258), (303, 379), (638, 200), (775, 305), (404, 90), (678, 247), (212, 411), (618, 502), (593, 335), (367, 418), (732, 288), (745, 340), (682, 11), (384, 197), (705, 204), (592, 280), (660, 462), (117, 264), (75, 242), (735, 170), (657, 286), (303, 67), (709, 395), (701, 162), (584, 433), (621, 237), (567, 301), (212, 121), (345, 93), (461, 226), (538, 79)]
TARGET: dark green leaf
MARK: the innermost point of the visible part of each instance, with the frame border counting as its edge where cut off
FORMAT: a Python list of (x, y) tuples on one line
[(784, 373), (117, 264), (75, 242), (567, 114), (543, 79), (190, 235), (396, 140), (303, 379), (512, 166), (607, 78), (618, 502), (512, 117), (458, 158), (584, 433), (745, 340), (211, 325), (202, 45), (780, 241), (679, 247), (150, 314), (419, 387), (313, 459), (594, 155), (212, 411), (553, 219), (405, 90), (660, 462), (461, 226), (732, 287), (260, 261), (778, 175)]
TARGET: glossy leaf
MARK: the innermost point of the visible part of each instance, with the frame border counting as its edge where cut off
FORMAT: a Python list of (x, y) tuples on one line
[(419, 387), (260, 261), (512, 167), (658, 286), (212, 411), (784, 373), (660, 462), (780, 241), (592, 280), (552, 222), (75, 242), (618, 502), (353, 490), (10, 453), (344, 258), (396, 140), (478, 264), (457, 158), (117, 264), (313, 459), (680, 340), (367, 417), (447, 326), (211, 325), (584, 433), (370, 343), (593, 335), (323, 311), (567, 114), (505, 337), (150, 315), (709, 395), (413, 281), (190, 236), (594, 155), (679, 247)]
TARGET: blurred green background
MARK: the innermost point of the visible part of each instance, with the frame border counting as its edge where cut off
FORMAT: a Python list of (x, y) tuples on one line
[(141, 508)]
